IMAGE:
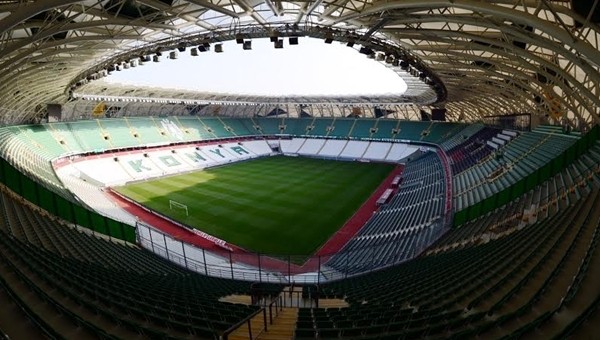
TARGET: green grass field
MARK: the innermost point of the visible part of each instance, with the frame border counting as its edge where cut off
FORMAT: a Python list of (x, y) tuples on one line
[(274, 205)]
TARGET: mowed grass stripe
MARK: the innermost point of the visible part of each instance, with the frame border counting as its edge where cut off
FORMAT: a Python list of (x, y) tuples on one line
[(274, 205)]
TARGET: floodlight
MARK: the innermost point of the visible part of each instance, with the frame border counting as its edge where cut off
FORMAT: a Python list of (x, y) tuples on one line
[(239, 38), (219, 48), (278, 43), (365, 50), (247, 45), (194, 52), (173, 55), (351, 41), (293, 40)]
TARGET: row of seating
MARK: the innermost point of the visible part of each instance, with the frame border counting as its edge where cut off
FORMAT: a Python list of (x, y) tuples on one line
[(347, 149), (472, 150), (404, 226), (31, 161), (134, 165), (512, 286), (544, 201), (464, 134), (53, 140), (518, 158), (108, 285)]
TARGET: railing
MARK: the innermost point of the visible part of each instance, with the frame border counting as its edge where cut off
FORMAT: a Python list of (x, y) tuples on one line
[(449, 194), (271, 268), (269, 312)]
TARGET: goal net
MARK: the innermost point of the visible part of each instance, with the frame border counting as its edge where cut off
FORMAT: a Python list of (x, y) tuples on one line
[(174, 205)]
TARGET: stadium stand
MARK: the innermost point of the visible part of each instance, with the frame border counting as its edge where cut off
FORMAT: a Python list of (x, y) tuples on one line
[(473, 150), (92, 286), (119, 168), (529, 232), (268, 126), (487, 290), (486, 224), (402, 228), (542, 202), (26, 158), (377, 151), (341, 127), (354, 150), (518, 158), (332, 148), (93, 196), (311, 146), (320, 127)]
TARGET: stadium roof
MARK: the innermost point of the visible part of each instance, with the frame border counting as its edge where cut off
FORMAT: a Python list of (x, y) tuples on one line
[(476, 58)]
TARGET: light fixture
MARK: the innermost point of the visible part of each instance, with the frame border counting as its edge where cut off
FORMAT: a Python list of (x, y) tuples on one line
[(194, 52), (278, 43), (293, 40), (247, 45), (219, 48), (365, 50)]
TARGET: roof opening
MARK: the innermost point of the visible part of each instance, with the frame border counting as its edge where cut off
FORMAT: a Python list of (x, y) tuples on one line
[(311, 68)]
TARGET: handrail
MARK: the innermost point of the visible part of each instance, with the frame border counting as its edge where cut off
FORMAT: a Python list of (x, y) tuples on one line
[(248, 319)]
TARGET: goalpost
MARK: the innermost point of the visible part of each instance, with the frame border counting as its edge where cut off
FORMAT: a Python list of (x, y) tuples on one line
[(177, 205)]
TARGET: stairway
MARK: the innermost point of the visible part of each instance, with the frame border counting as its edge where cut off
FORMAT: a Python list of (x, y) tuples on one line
[(283, 326)]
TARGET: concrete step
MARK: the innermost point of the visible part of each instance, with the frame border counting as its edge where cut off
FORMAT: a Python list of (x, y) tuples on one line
[(283, 326)]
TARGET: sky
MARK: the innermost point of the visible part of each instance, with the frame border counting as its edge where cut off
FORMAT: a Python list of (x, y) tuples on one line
[(309, 68)]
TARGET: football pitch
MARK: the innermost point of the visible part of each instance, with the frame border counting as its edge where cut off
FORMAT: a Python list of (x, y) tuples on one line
[(274, 205)]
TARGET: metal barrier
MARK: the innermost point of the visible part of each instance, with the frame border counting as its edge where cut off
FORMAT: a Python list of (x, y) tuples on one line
[(269, 312), (273, 268)]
